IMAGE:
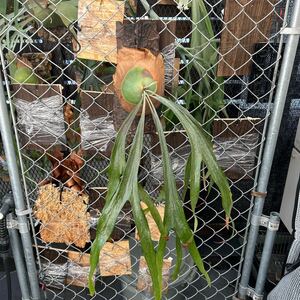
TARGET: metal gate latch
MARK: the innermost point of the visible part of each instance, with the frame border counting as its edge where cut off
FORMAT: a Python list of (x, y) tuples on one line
[(250, 293), (265, 221), (11, 222)]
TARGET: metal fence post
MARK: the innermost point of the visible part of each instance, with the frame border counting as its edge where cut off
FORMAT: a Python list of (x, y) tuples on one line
[(16, 248), (274, 126), (8, 145), (272, 228)]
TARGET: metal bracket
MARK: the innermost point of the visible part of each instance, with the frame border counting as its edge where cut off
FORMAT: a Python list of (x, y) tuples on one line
[(265, 221), (24, 212), (260, 220), (273, 225), (12, 223), (250, 292), (290, 30), (23, 227)]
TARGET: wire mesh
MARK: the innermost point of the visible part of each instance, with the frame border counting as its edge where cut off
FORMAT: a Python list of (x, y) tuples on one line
[(65, 108)]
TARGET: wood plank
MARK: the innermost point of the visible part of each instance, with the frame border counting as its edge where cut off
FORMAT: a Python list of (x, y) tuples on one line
[(247, 22), (151, 34), (33, 92), (97, 36), (236, 144), (143, 34), (228, 128), (176, 72), (167, 33), (32, 136), (78, 268), (115, 259)]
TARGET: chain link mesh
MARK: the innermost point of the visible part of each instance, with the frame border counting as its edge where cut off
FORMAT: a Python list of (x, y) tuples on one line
[(73, 108)]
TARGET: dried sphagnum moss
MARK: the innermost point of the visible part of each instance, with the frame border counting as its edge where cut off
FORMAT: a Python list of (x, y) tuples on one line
[(63, 215)]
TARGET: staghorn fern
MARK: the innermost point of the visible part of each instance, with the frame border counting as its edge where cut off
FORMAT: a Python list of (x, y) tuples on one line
[(138, 85), (202, 93)]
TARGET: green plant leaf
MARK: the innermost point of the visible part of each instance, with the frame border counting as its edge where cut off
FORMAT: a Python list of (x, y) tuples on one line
[(146, 242), (195, 177), (67, 11), (117, 158), (40, 13), (3, 7), (163, 234), (174, 213), (193, 166), (169, 179), (202, 29), (216, 174), (170, 191), (121, 195), (207, 99), (144, 196), (187, 176), (199, 142), (16, 6), (194, 252), (160, 252), (178, 258)]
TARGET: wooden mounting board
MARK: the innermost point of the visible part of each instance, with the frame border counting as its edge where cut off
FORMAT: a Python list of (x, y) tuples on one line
[(114, 259), (247, 22), (41, 137), (97, 36)]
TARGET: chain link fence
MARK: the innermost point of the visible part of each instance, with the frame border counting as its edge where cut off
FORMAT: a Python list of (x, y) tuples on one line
[(58, 59)]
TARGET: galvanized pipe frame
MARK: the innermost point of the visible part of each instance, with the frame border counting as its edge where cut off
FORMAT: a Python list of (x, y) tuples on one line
[(272, 228), (16, 186), (269, 150), (25, 184), (15, 244), (260, 154)]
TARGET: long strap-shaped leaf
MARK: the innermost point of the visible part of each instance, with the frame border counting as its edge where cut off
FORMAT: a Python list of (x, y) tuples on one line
[(146, 243), (202, 29), (200, 143), (117, 159), (170, 192), (195, 177), (178, 258), (144, 196), (122, 194), (163, 233), (174, 209)]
